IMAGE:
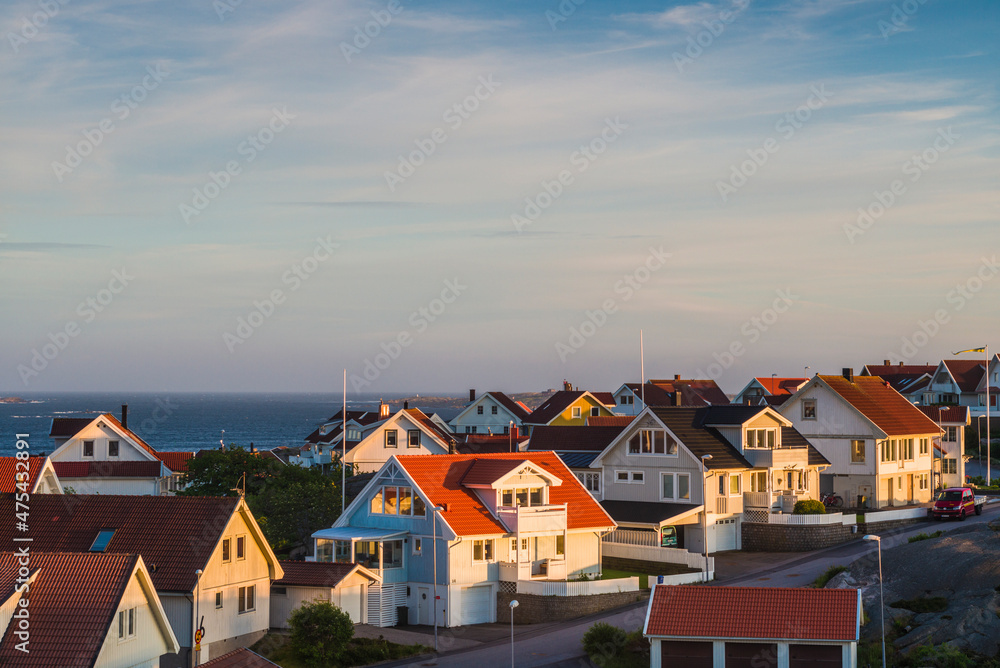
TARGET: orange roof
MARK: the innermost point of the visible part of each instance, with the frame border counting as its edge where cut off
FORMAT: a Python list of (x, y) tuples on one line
[(781, 385), (8, 473), (419, 416), (754, 613), (176, 461), (440, 478), (879, 402), (240, 658)]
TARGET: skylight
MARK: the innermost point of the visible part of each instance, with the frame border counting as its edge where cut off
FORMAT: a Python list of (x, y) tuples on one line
[(102, 540)]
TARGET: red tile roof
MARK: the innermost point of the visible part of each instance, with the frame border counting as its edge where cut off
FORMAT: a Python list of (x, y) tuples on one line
[(968, 373), (651, 395), (610, 421), (440, 479), (754, 613), (488, 471), (606, 398), (419, 416), (176, 461), (9, 471), (241, 658), (879, 402), (73, 602), (908, 378), (313, 573), (107, 469), (948, 414), (174, 534), (781, 385)]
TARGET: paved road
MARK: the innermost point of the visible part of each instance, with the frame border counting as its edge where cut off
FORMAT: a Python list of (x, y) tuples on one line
[(558, 645)]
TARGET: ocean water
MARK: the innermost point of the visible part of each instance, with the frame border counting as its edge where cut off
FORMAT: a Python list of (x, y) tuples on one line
[(182, 421)]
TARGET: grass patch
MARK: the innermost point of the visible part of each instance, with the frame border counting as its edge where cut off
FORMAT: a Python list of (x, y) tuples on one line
[(924, 604), (922, 536), (360, 652), (612, 574), (827, 575)]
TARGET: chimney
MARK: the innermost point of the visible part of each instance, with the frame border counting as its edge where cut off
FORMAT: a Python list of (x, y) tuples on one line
[(472, 395), (514, 432), (567, 386), (383, 409), (406, 405), (887, 363), (452, 446), (848, 374), (677, 376), (125, 416)]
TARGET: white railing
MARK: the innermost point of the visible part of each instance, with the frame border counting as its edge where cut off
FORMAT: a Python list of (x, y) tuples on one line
[(757, 499), (663, 555), (760, 517), (533, 519), (892, 515), (585, 588), (633, 537)]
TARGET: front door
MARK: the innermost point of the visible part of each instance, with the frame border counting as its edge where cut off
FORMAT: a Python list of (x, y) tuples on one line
[(888, 490), (424, 603), (909, 487)]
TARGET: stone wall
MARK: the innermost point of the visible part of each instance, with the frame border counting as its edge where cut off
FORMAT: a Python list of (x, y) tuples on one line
[(642, 566), (802, 538), (535, 609)]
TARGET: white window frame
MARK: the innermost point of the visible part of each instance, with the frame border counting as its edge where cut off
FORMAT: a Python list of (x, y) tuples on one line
[(243, 607), (413, 438), (576, 412), (227, 546), (676, 478), (809, 402), (739, 484), (118, 448), (632, 477), (755, 478), (394, 437), (241, 547), (219, 600), (864, 452), (418, 546), (483, 544), (83, 449), (127, 621), (595, 411)]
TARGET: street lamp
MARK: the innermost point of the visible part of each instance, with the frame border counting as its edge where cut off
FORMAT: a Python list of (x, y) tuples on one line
[(196, 646), (881, 593), (434, 548), (510, 430), (704, 509), (513, 604)]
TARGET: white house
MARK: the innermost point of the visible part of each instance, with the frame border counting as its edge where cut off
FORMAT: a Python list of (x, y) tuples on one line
[(962, 382), (81, 609), (752, 627), (878, 443), (345, 585), (207, 558), (408, 432), (504, 518), (768, 390), (492, 413), (949, 448)]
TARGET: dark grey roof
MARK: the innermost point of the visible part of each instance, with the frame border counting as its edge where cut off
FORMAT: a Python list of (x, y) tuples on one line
[(577, 460), (791, 438), (645, 512), (731, 414), (68, 427), (687, 423), (572, 438)]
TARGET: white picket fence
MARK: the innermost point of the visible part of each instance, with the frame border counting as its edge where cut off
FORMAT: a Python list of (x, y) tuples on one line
[(811, 520), (555, 588), (633, 537)]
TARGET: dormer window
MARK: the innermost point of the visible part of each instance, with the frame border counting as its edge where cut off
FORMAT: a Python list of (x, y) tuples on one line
[(762, 439), (522, 496), (651, 442)]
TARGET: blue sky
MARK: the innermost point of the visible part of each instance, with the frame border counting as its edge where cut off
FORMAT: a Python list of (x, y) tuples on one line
[(673, 100)]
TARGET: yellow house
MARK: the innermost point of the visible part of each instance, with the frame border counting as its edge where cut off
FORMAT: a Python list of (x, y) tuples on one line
[(571, 408)]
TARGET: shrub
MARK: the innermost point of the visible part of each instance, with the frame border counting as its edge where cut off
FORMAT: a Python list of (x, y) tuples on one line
[(923, 536), (603, 642), (320, 632), (827, 575), (809, 507), (942, 656)]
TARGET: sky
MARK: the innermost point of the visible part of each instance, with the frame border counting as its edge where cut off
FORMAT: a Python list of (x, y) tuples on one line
[(242, 195)]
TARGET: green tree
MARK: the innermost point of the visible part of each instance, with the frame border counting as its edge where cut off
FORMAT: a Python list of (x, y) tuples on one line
[(320, 632), (293, 503), (217, 473)]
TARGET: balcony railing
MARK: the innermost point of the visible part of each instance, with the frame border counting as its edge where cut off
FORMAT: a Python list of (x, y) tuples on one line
[(763, 458), (533, 519), (548, 569)]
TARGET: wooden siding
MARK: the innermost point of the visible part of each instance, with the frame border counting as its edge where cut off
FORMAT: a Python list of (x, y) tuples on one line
[(149, 641), (371, 453)]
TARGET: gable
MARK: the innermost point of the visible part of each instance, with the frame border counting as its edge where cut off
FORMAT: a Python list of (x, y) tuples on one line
[(374, 448), (258, 561), (617, 452), (101, 430)]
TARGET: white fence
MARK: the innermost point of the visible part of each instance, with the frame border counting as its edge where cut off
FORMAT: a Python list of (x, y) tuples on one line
[(892, 515), (682, 579), (663, 555), (545, 588), (633, 537), (800, 520)]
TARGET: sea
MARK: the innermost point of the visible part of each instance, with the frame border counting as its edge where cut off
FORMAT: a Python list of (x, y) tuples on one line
[(183, 421)]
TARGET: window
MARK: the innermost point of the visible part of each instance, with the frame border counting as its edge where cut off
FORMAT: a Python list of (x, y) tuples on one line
[(924, 481), (637, 476), (482, 550), (241, 548), (279, 591), (524, 544), (101, 542), (667, 491), (418, 546), (479, 410), (390, 438), (577, 412), (758, 481), (906, 449), (594, 411), (475, 430), (523, 496), (899, 482), (560, 545), (389, 506), (630, 476), (949, 465), (734, 485), (324, 547), (226, 554), (651, 442), (342, 551), (507, 497), (924, 446), (218, 600), (366, 553), (683, 486), (625, 399), (126, 624), (762, 438), (88, 448), (112, 448), (950, 435), (889, 451), (247, 596), (376, 506), (393, 500), (392, 554), (413, 438), (808, 409), (592, 481), (493, 410), (857, 452), (675, 486), (405, 497)]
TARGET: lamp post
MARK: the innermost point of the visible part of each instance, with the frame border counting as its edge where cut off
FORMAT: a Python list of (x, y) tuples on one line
[(196, 645), (881, 593), (513, 604), (704, 509), (510, 430), (434, 549)]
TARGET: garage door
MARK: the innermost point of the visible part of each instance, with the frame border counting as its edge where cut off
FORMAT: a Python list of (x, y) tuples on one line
[(685, 654), (350, 602), (751, 655), (725, 534), (815, 656), (477, 605)]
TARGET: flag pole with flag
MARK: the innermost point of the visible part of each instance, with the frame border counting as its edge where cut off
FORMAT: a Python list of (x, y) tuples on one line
[(986, 351)]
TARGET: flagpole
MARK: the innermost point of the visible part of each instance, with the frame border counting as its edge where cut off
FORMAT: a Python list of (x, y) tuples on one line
[(987, 349), (343, 447), (642, 375)]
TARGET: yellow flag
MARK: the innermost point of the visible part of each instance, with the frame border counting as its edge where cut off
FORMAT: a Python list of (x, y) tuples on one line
[(971, 350)]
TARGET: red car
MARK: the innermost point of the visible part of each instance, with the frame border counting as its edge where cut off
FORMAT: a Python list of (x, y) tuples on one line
[(957, 502)]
